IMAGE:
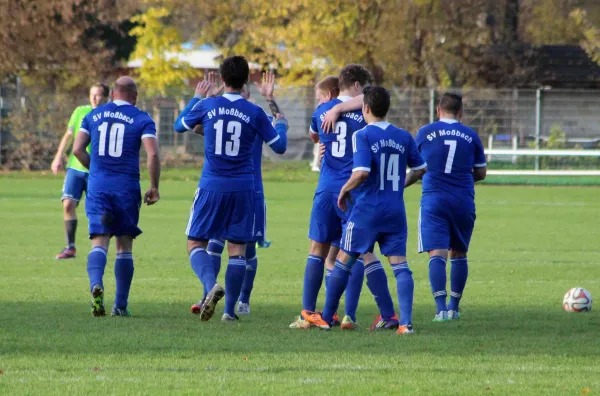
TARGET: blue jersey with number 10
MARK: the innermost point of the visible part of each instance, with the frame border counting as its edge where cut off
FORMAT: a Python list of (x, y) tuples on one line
[(384, 151), (116, 131), (231, 125), (451, 150), (337, 162)]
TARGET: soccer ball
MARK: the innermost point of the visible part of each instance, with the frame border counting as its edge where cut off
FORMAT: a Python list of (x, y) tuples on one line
[(577, 300)]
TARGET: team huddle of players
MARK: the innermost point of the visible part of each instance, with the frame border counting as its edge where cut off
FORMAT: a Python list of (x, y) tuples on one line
[(358, 201)]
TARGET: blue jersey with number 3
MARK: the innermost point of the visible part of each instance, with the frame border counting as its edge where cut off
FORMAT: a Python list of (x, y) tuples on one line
[(451, 150), (384, 151), (231, 126), (337, 162), (116, 131)]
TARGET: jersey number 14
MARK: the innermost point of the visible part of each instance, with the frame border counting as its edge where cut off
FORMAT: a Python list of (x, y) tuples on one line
[(391, 172)]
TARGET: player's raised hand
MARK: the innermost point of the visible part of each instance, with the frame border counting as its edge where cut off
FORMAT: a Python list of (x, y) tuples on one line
[(331, 118), (151, 197), (216, 87), (280, 117), (267, 86), (203, 87), (343, 200), (57, 165)]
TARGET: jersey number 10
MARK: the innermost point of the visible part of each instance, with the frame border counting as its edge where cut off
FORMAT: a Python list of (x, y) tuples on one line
[(115, 139)]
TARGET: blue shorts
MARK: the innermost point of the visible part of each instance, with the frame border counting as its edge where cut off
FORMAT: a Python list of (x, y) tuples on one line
[(260, 213), (361, 239), (326, 219), (226, 215), (445, 226), (75, 184), (113, 212)]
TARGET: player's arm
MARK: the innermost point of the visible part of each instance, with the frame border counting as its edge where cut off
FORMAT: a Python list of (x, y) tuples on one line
[(334, 113), (416, 163), (313, 132), (266, 89), (150, 141), (321, 154), (362, 158), (57, 163), (274, 135), (480, 166), (188, 118), (80, 146)]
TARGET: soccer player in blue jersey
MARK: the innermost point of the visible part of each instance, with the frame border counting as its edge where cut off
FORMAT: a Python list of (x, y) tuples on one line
[(224, 204), (216, 246), (116, 131), (381, 154), (327, 220), (456, 161)]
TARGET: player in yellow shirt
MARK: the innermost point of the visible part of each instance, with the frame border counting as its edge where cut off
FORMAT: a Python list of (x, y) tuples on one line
[(76, 174)]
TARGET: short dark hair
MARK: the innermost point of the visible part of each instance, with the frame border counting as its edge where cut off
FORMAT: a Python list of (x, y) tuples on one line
[(451, 103), (105, 89), (330, 84), (235, 71), (354, 73), (378, 100)]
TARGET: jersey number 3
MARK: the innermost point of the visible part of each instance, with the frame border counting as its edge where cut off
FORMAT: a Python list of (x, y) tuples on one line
[(232, 147), (115, 139), (338, 148)]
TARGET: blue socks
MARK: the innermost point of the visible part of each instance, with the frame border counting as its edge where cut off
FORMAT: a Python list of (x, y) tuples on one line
[(203, 267), (327, 276), (234, 278), (313, 277), (251, 265), (355, 283), (437, 279), (337, 284), (123, 276), (215, 249), (458, 279), (378, 285), (95, 266), (406, 287)]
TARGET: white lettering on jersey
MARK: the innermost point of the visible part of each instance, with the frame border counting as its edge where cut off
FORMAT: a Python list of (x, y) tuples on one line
[(233, 112), (445, 133), (118, 115)]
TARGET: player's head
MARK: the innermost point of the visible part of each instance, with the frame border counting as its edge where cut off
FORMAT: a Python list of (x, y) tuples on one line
[(376, 104), (99, 94), (354, 78), (125, 89), (327, 89), (450, 106), (235, 72)]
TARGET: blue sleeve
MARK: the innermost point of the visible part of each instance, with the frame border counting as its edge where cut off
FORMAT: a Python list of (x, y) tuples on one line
[(420, 138), (276, 137), (149, 128), (314, 127), (361, 152), (479, 153), (190, 116), (415, 160), (85, 124)]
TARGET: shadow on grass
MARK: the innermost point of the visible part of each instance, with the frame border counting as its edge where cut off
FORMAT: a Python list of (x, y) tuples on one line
[(31, 328)]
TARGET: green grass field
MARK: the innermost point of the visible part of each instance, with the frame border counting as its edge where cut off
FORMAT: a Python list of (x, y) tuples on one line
[(531, 244)]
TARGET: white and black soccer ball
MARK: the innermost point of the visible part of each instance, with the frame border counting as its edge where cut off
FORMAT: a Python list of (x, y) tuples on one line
[(577, 299)]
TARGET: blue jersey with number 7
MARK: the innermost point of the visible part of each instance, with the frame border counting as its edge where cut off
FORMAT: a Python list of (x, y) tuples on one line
[(231, 125), (116, 131), (337, 162), (451, 150)]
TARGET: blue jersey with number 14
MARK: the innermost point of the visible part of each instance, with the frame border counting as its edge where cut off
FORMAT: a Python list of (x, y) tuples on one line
[(451, 150), (116, 131), (337, 162), (385, 151)]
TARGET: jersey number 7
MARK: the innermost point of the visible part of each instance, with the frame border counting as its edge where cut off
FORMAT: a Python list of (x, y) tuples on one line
[(451, 152)]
